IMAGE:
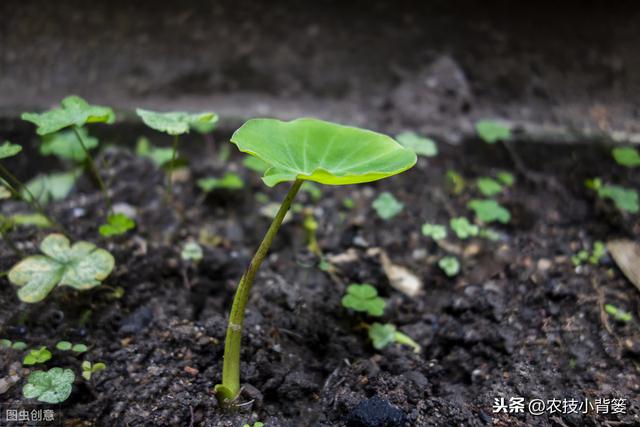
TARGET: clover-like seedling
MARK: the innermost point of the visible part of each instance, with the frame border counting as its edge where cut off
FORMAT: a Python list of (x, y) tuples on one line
[(382, 335), (449, 265), (88, 369), (35, 356), (435, 231), (363, 298), (302, 150), (626, 156), (463, 228), (487, 211), (175, 124), (191, 251), (74, 112), (67, 346), (230, 181), (420, 145), (489, 186), (387, 206), (52, 386), (117, 224), (492, 131), (81, 266)]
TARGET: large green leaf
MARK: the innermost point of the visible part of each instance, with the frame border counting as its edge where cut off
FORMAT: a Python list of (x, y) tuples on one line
[(320, 151), (52, 386), (81, 266), (65, 145), (176, 123), (73, 111), (9, 150)]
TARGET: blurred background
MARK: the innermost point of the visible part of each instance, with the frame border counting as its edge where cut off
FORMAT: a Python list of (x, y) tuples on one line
[(565, 70)]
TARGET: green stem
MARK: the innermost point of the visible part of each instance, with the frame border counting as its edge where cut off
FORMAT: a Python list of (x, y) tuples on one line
[(17, 187), (174, 154), (92, 166), (230, 386)]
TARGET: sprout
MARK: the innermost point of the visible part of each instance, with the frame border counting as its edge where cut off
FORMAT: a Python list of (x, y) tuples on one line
[(593, 258), (297, 151), (387, 206), (53, 386), (420, 145), (489, 211), (383, 335), (449, 265), (626, 156), (191, 251), (116, 225), (463, 228), (18, 345), (81, 266), (617, 313), (36, 356), (88, 369), (230, 181), (492, 131), (64, 345), (363, 298), (435, 231)]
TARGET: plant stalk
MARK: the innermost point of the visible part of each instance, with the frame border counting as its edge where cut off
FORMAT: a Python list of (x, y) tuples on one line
[(174, 154), (94, 169), (230, 387)]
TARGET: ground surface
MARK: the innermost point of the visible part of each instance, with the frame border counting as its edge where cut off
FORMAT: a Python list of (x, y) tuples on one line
[(519, 321)]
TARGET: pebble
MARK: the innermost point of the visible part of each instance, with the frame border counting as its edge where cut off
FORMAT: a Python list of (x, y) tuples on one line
[(544, 264), (376, 412)]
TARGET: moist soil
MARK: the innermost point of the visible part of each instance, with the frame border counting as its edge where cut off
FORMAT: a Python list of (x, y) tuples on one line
[(520, 320)]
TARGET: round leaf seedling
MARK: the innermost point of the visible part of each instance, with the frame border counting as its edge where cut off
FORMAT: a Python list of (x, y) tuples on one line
[(297, 151), (363, 298), (52, 386)]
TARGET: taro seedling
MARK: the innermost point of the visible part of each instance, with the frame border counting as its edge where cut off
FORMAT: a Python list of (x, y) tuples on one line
[(625, 199), (450, 266), (626, 156), (492, 131), (88, 369), (297, 151), (175, 124), (383, 335), (52, 386), (74, 112), (463, 228), (363, 298), (81, 266), (230, 181), (435, 231), (489, 211), (387, 206), (617, 313), (117, 224), (35, 356), (420, 145)]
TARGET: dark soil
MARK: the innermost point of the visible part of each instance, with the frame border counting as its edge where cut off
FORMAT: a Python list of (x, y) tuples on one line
[(520, 320)]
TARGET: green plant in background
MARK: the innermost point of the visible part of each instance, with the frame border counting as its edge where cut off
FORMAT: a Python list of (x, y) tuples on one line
[(51, 187), (8, 344), (191, 252), (489, 211), (449, 265), (81, 266), (488, 186), (617, 313), (66, 146), (117, 224), (160, 156), (382, 335), (52, 386), (348, 203), (230, 181), (420, 145), (506, 178), (312, 190), (492, 131), (35, 356), (311, 228), (363, 298), (302, 150), (463, 228), (175, 124), (625, 199), (74, 113), (435, 231), (455, 182), (387, 206), (598, 252), (626, 156), (88, 369), (255, 164)]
